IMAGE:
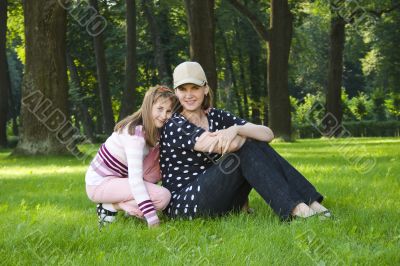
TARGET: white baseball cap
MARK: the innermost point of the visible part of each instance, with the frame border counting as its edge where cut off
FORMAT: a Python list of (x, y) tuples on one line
[(189, 72)]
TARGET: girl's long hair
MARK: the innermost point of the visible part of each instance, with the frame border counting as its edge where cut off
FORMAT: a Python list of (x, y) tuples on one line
[(143, 116)]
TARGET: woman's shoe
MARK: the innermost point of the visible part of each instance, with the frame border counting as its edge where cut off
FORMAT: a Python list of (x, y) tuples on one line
[(303, 211), (325, 215), (304, 217), (105, 216)]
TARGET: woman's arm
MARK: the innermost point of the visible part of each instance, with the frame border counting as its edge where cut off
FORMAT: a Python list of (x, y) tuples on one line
[(257, 132)]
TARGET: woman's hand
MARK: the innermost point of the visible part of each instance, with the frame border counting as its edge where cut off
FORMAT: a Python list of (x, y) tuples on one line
[(206, 142), (240, 141), (225, 138), (210, 142)]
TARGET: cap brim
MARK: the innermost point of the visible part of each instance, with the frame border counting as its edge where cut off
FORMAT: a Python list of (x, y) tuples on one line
[(191, 81)]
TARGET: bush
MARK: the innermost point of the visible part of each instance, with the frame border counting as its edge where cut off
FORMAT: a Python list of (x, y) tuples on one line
[(361, 106), (347, 113), (393, 105), (310, 109), (378, 104), (365, 128)]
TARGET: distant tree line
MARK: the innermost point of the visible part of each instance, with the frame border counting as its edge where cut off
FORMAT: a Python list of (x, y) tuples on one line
[(70, 67)]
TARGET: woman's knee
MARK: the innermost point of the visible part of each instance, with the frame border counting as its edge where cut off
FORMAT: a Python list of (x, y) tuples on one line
[(250, 143), (161, 198), (248, 148)]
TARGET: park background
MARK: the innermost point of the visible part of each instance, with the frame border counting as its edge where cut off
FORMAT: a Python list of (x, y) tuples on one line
[(323, 74)]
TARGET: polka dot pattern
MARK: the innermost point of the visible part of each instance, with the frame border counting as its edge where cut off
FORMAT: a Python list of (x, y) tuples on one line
[(181, 165)]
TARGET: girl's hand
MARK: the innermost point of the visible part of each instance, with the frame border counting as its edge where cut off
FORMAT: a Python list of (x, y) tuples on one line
[(154, 225)]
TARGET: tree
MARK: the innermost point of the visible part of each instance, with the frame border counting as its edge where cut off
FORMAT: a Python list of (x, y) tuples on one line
[(104, 92), (279, 37), (164, 74), (5, 85), (254, 65), (382, 63), (335, 70), (281, 21), (15, 54), (44, 116), (340, 16), (232, 96), (200, 18), (80, 101), (309, 54), (129, 96)]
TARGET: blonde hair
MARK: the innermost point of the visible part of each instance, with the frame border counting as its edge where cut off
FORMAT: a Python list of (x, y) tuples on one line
[(143, 116)]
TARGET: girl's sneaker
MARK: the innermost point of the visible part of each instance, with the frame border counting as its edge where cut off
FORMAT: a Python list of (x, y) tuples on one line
[(105, 216)]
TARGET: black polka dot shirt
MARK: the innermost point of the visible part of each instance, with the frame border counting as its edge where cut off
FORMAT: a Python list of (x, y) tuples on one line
[(180, 164)]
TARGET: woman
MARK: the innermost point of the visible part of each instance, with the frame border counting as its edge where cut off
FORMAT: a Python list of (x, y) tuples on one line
[(204, 183), (115, 176)]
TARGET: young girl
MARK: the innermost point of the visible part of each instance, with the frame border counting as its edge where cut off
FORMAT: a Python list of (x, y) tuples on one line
[(115, 176)]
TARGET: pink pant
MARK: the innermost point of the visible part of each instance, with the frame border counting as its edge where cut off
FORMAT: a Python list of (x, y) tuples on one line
[(117, 191)]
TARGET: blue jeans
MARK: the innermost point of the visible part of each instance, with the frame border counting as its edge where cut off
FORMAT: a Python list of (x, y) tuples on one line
[(225, 186)]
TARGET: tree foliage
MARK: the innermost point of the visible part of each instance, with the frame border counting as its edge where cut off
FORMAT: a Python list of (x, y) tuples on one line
[(371, 63)]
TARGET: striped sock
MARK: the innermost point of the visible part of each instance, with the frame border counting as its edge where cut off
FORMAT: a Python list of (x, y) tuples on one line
[(149, 212)]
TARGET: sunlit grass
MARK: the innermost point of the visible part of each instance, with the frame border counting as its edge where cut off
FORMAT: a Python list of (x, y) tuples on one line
[(46, 218)]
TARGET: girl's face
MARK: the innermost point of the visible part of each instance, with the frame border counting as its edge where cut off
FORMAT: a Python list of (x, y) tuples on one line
[(191, 96), (161, 111)]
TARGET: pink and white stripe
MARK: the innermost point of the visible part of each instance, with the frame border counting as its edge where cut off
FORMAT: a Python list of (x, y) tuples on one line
[(149, 211), (123, 155)]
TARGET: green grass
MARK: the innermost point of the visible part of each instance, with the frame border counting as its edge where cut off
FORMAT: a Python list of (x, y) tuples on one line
[(46, 218)]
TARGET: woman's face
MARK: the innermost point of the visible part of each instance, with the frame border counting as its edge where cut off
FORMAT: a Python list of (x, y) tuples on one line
[(191, 96), (161, 111)]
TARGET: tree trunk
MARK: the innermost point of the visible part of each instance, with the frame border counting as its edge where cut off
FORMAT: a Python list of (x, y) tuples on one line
[(15, 128), (279, 38), (333, 119), (242, 78), (200, 17), (228, 83), (166, 31), (159, 54), (45, 126), (128, 102), (231, 73), (279, 48), (266, 107), (253, 50), (82, 107), (13, 110), (5, 84), (243, 85), (105, 98)]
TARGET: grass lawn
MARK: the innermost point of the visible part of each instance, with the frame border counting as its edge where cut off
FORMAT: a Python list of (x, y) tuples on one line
[(46, 218)]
